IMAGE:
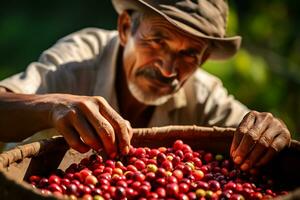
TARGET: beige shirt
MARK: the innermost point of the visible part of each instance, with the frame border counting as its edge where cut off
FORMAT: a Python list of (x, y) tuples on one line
[(84, 63)]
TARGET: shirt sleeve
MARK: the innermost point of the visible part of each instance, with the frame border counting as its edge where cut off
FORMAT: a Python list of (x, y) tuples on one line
[(216, 106), (59, 67)]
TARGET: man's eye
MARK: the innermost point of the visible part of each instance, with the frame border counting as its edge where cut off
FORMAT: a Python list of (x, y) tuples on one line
[(189, 54), (157, 41)]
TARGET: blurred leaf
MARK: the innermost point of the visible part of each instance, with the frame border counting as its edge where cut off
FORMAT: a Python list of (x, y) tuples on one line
[(232, 26)]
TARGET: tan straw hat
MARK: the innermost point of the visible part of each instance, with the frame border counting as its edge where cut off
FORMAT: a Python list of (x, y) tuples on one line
[(201, 18)]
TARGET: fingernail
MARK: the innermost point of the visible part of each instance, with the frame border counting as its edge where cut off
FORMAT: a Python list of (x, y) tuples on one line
[(238, 160), (125, 150), (244, 167)]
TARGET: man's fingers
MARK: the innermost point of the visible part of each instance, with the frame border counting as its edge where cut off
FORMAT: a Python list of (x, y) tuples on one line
[(245, 147), (130, 131), (241, 132), (235, 142), (281, 139), (257, 152), (249, 141), (122, 127), (251, 137), (266, 157), (96, 122), (260, 149), (73, 139), (85, 130), (107, 134), (102, 127), (124, 137), (105, 131)]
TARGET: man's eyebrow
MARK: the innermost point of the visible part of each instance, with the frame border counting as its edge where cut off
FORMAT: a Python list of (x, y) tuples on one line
[(201, 44), (159, 34), (192, 50), (198, 48)]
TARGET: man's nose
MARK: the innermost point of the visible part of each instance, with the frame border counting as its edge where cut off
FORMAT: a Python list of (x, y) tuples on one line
[(168, 67)]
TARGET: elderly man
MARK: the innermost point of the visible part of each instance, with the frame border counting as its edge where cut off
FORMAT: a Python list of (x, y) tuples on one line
[(146, 72)]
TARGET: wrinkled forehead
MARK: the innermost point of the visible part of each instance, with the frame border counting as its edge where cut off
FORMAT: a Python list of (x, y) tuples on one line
[(157, 26)]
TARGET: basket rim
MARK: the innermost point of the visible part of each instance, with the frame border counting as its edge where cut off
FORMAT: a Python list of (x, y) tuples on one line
[(42, 146), (164, 132)]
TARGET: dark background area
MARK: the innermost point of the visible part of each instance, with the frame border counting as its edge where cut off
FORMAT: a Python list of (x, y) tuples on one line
[(264, 75)]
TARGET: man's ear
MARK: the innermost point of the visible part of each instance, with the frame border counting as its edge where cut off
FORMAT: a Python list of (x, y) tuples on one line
[(124, 27)]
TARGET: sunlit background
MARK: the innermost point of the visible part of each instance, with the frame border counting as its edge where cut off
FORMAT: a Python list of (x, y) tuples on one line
[(264, 75)]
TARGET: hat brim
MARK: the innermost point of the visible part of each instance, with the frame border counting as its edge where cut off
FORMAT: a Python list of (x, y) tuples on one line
[(221, 48)]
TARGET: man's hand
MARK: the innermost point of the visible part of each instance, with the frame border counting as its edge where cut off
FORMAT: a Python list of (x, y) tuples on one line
[(257, 139), (90, 122)]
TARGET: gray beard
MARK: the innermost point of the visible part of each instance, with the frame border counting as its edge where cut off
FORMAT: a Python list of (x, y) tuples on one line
[(147, 99)]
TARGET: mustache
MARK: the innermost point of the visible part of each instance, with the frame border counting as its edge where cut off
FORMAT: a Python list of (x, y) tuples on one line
[(154, 73)]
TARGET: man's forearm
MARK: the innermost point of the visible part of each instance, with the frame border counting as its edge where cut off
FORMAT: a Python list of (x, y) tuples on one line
[(84, 121), (22, 115)]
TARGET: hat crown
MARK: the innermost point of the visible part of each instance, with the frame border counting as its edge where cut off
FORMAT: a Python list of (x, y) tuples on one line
[(206, 16)]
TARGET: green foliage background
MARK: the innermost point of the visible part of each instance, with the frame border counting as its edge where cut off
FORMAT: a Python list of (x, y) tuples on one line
[(264, 75)]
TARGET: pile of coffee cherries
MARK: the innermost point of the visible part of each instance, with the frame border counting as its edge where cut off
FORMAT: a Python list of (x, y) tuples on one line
[(177, 172)]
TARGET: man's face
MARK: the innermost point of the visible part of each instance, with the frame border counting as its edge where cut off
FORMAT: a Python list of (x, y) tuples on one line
[(158, 59)]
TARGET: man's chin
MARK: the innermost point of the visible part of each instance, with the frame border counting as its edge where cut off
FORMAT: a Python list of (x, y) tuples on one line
[(148, 98)]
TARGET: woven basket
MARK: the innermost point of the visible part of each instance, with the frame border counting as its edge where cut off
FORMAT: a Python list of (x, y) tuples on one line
[(40, 158)]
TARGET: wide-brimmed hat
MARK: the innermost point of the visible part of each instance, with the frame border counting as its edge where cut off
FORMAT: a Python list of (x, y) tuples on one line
[(201, 18)]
